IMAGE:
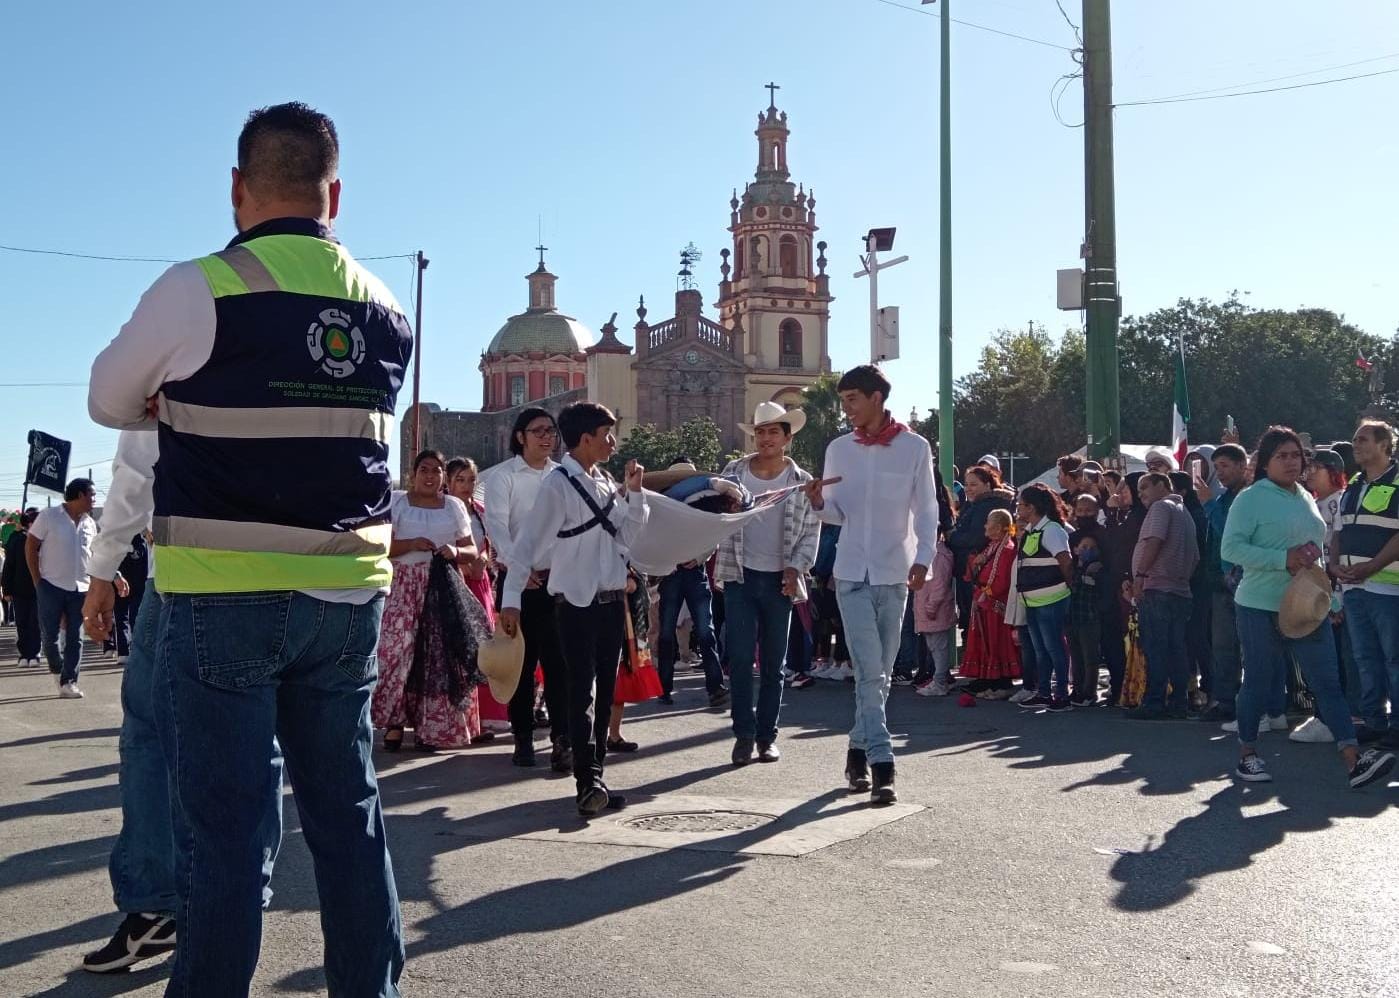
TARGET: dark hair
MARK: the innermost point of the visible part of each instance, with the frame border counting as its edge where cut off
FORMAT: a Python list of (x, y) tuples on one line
[(1273, 438), (680, 459), (77, 488), (288, 151), (1381, 431), (1347, 451), (1133, 481), (1044, 501), (1233, 452), (28, 516), (581, 418), (1113, 476), (866, 379), (456, 464), (1184, 486), (1155, 478), (423, 455), (986, 474), (517, 432), (1070, 464)]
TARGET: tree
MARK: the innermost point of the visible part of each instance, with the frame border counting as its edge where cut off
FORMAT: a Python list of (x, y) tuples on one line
[(697, 439), (824, 422)]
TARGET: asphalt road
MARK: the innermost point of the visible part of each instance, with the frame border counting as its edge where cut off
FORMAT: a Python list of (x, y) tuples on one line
[(1056, 855)]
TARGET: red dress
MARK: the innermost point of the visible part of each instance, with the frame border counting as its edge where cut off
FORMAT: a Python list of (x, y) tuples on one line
[(491, 709), (991, 652)]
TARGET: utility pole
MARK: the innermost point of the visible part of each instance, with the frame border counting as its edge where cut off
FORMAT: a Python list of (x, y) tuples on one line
[(1103, 305), (946, 438), (884, 323), (418, 354)]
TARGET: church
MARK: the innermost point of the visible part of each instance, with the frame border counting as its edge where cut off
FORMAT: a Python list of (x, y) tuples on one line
[(768, 340)]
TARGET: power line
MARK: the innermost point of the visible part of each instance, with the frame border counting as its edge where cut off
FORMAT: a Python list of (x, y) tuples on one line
[(1078, 34), (1184, 99), (1289, 76), (978, 27), (43, 384), (149, 259)]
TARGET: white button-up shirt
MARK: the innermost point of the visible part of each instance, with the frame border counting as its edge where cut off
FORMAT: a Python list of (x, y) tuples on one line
[(66, 548), (886, 505), (510, 490), (583, 565)]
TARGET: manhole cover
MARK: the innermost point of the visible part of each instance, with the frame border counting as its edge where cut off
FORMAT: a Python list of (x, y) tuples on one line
[(699, 821)]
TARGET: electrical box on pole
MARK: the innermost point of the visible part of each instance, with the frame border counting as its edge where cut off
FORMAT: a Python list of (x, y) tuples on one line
[(1070, 289), (888, 341)]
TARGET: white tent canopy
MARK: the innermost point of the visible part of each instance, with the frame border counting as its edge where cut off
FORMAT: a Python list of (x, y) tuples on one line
[(1133, 455)]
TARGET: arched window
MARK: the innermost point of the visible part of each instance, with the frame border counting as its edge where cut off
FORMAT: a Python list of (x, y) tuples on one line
[(789, 336), (517, 389), (787, 255), (738, 259)]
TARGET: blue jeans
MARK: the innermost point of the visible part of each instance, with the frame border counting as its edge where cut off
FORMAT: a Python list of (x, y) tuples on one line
[(1373, 622), (1164, 618), (236, 674), (1266, 654), (54, 604), (142, 866), (690, 587), (759, 617), (1046, 627), (874, 618)]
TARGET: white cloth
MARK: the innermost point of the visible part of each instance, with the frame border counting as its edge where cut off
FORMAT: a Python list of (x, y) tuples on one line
[(676, 533), (762, 536), (441, 525), (127, 511), (583, 565), (65, 554), (510, 491), (1054, 539), (886, 505)]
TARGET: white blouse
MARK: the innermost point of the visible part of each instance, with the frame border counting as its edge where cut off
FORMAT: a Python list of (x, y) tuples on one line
[(441, 526)]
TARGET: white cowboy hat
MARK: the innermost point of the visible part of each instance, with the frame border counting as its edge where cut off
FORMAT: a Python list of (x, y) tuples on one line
[(500, 659), (1306, 603), (768, 413), (659, 481)]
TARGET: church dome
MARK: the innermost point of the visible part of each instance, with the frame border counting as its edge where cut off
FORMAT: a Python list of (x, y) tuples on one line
[(541, 330)]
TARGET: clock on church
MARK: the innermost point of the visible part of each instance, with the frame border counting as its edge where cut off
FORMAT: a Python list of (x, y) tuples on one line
[(692, 357)]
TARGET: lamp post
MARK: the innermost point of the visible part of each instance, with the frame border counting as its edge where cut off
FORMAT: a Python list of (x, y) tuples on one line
[(946, 437)]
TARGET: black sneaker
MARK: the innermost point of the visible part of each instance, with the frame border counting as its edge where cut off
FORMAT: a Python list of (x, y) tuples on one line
[(801, 681), (1371, 766), (561, 758), (719, 698), (883, 792), (139, 937), (592, 800), (523, 755), (665, 698), (857, 770), (1251, 769), (902, 679), (541, 718), (1058, 705), (1036, 701), (742, 754)]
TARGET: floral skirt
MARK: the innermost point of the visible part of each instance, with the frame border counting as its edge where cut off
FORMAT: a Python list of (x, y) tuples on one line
[(433, 718), (1134, 679)]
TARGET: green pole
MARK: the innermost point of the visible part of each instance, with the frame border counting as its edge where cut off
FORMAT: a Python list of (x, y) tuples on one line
[(946, 438), (1103, 304)]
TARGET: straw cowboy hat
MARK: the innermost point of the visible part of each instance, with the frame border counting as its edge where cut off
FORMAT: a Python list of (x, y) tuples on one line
[(500, 659), (768, 413), (1306, 603), (659, 481)]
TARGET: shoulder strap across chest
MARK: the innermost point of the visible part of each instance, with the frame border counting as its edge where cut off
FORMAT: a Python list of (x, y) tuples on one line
[(600, 513)]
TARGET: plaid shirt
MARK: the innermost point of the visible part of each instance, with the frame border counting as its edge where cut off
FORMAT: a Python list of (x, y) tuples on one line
[(800, 528)]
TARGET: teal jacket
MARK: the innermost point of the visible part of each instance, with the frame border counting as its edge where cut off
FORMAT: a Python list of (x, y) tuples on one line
[(1265, 522)]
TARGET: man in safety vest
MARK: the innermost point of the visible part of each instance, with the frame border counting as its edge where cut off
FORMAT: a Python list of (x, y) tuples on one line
[(1366, 553), (275, 353)]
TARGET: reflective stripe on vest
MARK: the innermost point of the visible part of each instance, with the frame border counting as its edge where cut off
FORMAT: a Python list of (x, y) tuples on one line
[(1369, 520), (1040, 579), (276, 423)]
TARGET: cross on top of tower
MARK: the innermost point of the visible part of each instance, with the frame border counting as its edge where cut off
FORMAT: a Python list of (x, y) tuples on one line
[(542, 249), (772, 89)]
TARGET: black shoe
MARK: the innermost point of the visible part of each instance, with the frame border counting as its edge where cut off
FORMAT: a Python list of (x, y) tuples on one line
[(767, 752), (615, 801), (396, 742), (621, 745), (541, 718), (665, 698), (592, 800), (901, 679), (718, 699), (560, 758), (801, 681), (883, 791), (1035, 702), (138, 938), (743, 751), (1217, 713), (857, 770), (1371, 766), (1147, 714), (524, 755), (1058, 705)]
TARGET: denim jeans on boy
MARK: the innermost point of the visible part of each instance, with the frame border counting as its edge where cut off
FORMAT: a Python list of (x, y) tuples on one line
[(1373, 622), (1266, 661), (142, 865), (1164, 618), (236, 674), (1046, 627), (690, 587), (874, 617), (759, 618), (67, 605)]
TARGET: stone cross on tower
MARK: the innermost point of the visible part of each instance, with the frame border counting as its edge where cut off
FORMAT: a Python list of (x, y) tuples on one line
[(772, 89), (542, 249)]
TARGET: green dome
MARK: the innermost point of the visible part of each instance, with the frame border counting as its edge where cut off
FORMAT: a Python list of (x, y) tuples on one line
[(541, 330)]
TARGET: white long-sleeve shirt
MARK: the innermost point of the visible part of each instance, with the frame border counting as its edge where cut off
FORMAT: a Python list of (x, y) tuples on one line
[(510, 491), (581, 566), (127, 510), (886, 505)]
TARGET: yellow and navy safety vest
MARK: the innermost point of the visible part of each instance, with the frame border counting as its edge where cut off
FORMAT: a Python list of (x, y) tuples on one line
[(1369, 519), (273, 470), (1040, 580)]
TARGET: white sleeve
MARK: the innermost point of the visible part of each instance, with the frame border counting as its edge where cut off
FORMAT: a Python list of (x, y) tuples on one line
[(497, 500), (1056, 538), (830, 511), (539, 530), (168, 338), (129, 504), (461, 518), (40, 527)]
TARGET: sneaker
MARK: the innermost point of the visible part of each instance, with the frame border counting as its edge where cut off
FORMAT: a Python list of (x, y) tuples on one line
[(1020, 696), (560, 757), (768, 752), (1057, 705), (857, 770), (902, 679), (742, 753), (719, 698), (1272, 723), (523, 756), (1035, 701), (882, 791), (821, 671), (69, 691), (845, 672), (1313, 729), (935, 688), (1251, 769), (801, 681), (123, 659), (139, 937), (591, 801), (1371, 766), (665, 698)]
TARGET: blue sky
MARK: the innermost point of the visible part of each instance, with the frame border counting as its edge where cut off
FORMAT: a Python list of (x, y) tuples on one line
[(624, 126)]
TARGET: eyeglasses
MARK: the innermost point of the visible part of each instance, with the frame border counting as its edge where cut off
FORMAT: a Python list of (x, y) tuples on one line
[(543, 432)]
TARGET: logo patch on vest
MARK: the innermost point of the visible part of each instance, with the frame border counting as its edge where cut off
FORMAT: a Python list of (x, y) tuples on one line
[(338, 346)]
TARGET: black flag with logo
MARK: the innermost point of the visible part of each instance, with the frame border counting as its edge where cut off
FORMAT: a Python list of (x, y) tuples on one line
[(48, 461)]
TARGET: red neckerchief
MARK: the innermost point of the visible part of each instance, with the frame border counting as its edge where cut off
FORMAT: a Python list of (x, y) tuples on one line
[(888, 430)]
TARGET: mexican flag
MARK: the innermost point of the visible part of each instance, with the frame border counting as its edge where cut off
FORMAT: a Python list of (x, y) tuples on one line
[(1180, 409)]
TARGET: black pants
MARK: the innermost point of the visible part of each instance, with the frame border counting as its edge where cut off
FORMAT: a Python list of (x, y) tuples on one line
[(592, 638), (124, 615), (26, 626), (1114, 641), (539, 625)]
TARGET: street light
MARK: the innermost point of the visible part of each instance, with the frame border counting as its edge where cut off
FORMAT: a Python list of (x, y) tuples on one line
[(884, 322)]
